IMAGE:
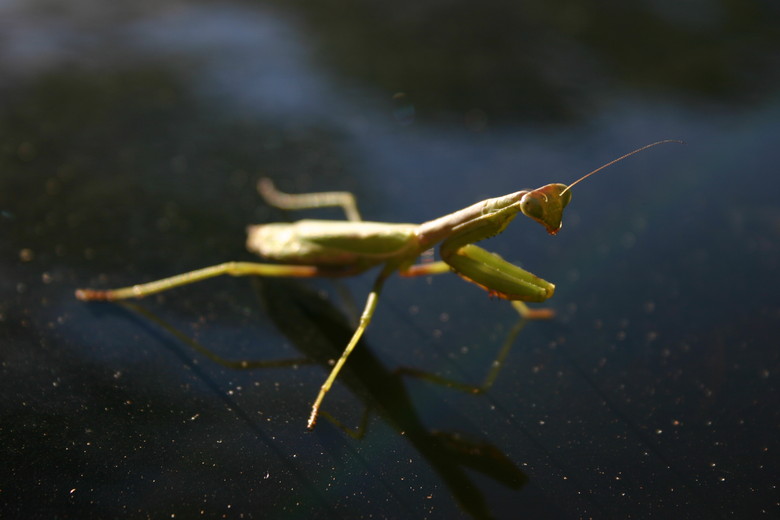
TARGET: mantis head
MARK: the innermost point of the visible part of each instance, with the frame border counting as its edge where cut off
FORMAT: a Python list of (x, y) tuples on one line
[(545, 205)]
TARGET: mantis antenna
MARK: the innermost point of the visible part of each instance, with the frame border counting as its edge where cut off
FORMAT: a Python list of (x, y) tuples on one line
[(629, 154)]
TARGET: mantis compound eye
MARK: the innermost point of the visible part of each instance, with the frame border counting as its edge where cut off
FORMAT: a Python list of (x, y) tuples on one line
[(532, 205)]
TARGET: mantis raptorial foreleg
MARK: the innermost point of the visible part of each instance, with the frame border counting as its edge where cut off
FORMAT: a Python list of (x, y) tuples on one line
[(483, 271)]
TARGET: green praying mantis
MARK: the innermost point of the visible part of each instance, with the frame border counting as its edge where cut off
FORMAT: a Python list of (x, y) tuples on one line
[(329, 248)]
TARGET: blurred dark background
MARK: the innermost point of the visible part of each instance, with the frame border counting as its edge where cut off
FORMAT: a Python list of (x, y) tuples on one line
[(131, 139)]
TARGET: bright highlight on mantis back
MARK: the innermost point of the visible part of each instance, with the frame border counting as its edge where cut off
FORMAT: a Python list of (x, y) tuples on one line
[(328, 248)]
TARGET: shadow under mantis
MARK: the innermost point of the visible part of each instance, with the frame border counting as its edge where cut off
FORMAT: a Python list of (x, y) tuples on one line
[(318, 330)]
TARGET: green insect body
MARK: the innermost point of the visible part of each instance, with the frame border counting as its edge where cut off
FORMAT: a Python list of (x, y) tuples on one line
[(310, 248)]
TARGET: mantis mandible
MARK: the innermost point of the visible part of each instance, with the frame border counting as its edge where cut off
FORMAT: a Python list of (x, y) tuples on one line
[(330, 248)]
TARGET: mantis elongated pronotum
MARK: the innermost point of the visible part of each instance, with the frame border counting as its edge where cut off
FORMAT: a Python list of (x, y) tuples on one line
[(313, 248)]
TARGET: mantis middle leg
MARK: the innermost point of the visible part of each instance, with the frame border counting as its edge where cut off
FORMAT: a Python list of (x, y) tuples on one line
[(365, 319)]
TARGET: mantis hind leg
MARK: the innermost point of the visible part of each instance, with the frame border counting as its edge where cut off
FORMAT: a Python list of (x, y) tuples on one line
[(230, 268), (281, 200)]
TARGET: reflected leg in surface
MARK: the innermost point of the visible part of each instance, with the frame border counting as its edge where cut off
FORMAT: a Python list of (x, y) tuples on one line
[(356, 433), (526, 314), (240, 364)]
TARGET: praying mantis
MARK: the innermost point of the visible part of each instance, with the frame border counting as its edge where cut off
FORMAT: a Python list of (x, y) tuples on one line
[(330, 248)]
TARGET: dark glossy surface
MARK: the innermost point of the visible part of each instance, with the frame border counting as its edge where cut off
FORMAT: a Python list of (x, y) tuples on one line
[(130, 143)]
